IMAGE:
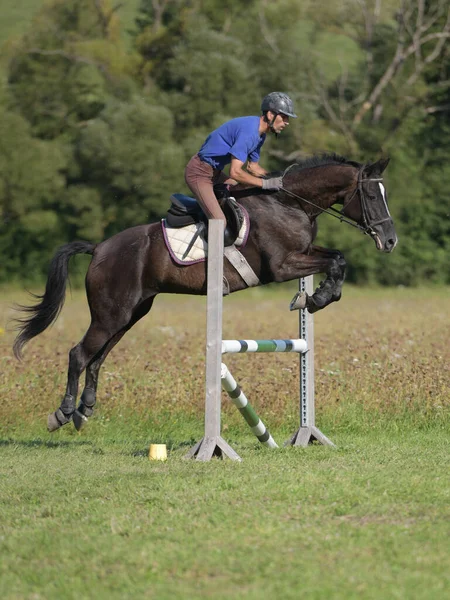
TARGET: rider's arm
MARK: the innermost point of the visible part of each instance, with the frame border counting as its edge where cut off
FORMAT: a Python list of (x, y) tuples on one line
[(237, 172), (255, 169)]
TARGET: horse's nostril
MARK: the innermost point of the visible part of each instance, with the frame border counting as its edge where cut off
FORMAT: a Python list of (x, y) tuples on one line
[(390, 243)]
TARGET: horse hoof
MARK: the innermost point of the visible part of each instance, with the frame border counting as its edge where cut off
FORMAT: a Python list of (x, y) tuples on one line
[(79, 420), (52, 423), (313, 308), (57, 420), (299, 301)]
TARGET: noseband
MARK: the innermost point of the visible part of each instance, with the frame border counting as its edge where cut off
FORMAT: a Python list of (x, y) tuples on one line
[(367, 225)]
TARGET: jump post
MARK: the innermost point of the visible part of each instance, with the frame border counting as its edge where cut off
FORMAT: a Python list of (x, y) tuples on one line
[(218, 375)]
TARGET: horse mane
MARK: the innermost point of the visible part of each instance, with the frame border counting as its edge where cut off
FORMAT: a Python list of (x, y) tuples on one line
[(318, 160)]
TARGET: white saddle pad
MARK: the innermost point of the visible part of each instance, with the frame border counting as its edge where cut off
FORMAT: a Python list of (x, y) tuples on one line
[(178, 239)]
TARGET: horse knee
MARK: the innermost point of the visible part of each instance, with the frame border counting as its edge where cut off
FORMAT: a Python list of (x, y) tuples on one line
[(342, 263), (335, 270)]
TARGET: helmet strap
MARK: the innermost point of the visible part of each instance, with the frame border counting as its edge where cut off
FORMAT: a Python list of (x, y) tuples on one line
[(270, 123)]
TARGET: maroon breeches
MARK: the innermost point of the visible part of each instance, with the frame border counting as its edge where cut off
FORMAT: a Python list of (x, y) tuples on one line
[(200, 177)]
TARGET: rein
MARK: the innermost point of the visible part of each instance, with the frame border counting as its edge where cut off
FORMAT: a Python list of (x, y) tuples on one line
[(366, 227)]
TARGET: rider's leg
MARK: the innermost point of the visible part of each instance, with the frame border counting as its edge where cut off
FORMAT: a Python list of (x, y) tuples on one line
[(200, 177)]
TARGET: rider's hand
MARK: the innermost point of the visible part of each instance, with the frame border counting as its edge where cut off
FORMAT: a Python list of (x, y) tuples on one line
[(273, 183)]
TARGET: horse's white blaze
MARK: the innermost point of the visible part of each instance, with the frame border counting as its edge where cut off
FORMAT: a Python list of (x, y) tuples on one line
[(383, 193)]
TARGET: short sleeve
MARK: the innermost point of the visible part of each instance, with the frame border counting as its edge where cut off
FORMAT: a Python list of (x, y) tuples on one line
[(254, 154), (241, 147)]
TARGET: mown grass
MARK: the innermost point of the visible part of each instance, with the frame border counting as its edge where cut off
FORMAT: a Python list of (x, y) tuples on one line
[(94, 519), (90, 516)]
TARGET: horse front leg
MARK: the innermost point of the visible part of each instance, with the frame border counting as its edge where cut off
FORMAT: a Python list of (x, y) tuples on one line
[(339, 257), (298, 265)]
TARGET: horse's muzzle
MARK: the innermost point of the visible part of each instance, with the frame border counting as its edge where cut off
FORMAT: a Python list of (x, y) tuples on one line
[(384, 236), (390, 244)]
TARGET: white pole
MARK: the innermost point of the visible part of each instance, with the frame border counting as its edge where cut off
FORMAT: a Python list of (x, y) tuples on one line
[(212, 443)]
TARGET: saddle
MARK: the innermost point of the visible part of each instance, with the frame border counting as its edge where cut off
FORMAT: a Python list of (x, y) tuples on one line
[(185, 230), (185, 210)]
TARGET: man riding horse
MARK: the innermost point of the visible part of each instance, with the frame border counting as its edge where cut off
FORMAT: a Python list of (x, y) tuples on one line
[(130, 269), (237, 142)]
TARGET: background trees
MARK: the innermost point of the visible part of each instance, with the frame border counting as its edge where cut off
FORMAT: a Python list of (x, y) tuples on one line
[(97, 120)]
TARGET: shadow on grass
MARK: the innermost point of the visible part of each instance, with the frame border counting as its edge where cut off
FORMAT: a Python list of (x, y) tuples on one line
[(44, 443), (171, 446)]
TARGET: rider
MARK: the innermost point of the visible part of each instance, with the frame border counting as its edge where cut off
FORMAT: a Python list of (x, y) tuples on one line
[(237, 142)]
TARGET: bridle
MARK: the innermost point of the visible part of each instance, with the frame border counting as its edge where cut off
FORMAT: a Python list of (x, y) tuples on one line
[(366, 225)]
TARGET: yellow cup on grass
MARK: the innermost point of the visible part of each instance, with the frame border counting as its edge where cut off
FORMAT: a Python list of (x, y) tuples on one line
[(157, 452)]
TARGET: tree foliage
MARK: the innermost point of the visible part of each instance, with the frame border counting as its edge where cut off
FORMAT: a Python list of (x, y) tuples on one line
[(95, 132)]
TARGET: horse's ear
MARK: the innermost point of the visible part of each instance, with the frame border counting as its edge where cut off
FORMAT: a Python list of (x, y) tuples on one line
[(383, 163), (370, 170), (376, 167)]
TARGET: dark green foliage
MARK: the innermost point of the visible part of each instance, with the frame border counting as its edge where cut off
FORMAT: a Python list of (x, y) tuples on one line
[(128, 156), (94, 134), (31, 186)]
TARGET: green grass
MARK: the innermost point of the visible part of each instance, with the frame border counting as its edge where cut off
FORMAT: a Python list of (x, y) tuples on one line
[(90, 516)]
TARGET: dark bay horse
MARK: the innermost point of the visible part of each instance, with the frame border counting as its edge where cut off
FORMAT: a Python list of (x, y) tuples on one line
[(129, 269)]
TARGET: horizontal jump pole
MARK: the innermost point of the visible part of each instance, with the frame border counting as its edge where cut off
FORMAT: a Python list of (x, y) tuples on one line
[(239, 399), (239, 346)]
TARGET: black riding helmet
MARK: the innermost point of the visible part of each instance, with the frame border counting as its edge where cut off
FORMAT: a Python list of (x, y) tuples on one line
[(278, 102)]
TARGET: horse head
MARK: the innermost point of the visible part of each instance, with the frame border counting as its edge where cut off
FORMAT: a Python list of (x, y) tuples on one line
[(372, 212)]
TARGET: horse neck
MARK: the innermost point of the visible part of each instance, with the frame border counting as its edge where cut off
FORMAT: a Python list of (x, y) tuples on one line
[(323, 185)]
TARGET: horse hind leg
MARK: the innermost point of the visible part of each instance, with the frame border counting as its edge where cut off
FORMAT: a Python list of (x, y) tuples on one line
[(89, 396), (79, 357)]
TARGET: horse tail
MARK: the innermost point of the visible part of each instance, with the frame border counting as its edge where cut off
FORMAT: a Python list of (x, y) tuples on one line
[(51, 302)]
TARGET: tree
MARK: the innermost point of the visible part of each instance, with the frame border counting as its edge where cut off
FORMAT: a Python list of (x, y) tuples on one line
[(64, 68), (128, 156), (370, 105), (31, 180), (106, 132)]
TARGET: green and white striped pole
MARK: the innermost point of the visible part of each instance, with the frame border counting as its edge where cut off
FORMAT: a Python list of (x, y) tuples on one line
[(239, 346), (240, 401)]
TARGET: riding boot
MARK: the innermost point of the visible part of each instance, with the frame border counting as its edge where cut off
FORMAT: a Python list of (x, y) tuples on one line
[(229, 237)]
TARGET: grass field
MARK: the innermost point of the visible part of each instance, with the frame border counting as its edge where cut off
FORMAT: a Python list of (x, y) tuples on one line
[(89, 516)]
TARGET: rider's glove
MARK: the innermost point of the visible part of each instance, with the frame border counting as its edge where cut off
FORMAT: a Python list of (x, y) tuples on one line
[(273, 183)]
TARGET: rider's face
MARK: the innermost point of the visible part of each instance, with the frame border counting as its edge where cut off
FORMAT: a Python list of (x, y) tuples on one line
[(281, 121)]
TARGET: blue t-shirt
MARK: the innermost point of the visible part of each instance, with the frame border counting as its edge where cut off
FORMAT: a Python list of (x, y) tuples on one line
[(239, 138)]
